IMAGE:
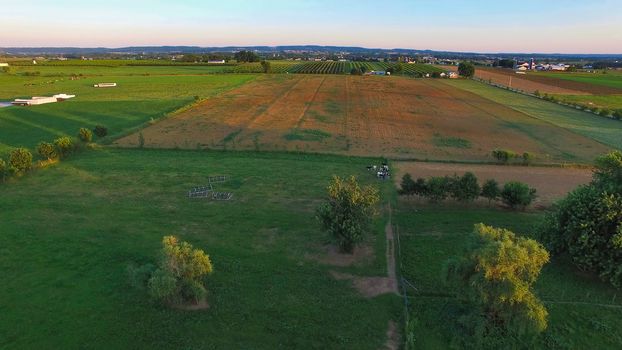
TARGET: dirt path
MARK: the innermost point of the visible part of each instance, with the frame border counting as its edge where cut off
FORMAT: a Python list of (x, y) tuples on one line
[(391, 275)]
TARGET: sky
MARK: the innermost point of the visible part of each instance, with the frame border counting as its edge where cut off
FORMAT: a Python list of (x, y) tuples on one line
[(546, 26)]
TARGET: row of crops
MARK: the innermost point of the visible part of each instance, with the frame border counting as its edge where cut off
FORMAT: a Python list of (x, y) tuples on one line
[(326, 67)]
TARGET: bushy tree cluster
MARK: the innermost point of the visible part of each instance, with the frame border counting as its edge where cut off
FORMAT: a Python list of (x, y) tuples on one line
[(246, 56), (85, 135), (466, 188), (505, 156), (466, 69), (495, 278), (178, 278), (348, 212), (20, 160), (587, 224)]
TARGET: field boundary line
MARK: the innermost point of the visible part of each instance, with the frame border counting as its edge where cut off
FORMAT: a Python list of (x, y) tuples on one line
[(301, 118)]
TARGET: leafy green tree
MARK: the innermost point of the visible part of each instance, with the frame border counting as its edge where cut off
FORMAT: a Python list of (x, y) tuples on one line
[(85, 135), (267, 68), (502, 155), (246, 56), (180, 273), (608, 173), (617, 114), (421, 187), (64, 146), (491, 190), (407, 187), (496, 278), (438, 188), (465, 188), (528, 158), (466, 69), (20, 160), (587, 224), (46, 150), (517, 194), (347, 214)]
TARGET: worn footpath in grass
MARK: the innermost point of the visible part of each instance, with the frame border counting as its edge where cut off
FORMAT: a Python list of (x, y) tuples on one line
[(430, 235), (69, 231), (604, 130)]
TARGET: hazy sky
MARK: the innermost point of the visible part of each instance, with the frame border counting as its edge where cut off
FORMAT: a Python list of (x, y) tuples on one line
[(571, 26)]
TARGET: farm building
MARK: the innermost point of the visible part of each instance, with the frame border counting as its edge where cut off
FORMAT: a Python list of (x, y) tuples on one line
[(105, 85), (453, 75), (4, 64), (216, 62), (40, 100)]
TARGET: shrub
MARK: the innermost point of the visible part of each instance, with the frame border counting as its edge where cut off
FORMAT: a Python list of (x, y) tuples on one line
[(348, 212), (491, 190), (20, 160), (537, 93), (100, 131), (528, 158), (85, 135), (180, 272), (64, 146), (605, 112), (421, 188), (617, 114), (139, 276), (502, 155), (46, 150), (465, 188), (496, 278), (517, 194)]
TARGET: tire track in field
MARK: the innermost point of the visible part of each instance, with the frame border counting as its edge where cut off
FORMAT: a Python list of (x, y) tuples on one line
[(302, 115)]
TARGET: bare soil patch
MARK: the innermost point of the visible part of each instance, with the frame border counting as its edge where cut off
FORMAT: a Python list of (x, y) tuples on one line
[(551, 183), (366, 116), (202, 305), (369, 287), (393, 337), (332, 256)]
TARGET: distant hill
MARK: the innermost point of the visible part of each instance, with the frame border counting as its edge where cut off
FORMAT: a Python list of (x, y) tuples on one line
[(136, 50)]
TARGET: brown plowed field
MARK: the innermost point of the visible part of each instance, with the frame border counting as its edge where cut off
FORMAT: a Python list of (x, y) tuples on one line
[(371, 116), (551, 183), (532, 81)]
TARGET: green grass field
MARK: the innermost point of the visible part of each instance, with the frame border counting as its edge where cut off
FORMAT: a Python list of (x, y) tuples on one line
[(69, 231), (610, 79), (612, 102), (604, 130), (136, 100), (430, 235)]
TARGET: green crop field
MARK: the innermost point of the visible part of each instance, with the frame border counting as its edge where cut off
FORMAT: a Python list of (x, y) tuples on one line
[(136, 100), (604, 130), (580, 317), (69, 231), (611, 78)]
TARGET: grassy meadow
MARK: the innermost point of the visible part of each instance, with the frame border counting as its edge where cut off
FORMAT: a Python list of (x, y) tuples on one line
[(69, 231), (604, 130), (610, 78), (430, 235)]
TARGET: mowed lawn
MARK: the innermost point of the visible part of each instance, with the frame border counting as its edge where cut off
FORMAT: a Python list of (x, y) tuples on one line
[(68, 232), (604, 130), (365, 116), (585, 313), (136, 100)]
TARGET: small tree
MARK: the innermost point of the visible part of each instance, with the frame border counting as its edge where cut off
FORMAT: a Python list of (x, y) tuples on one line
[(420, 188), (180, 273), (265, 65), (517, 194), (466, 69), (348, 212), (491, 190), (64, 146), (617, 114), (496, 277), (528, 158), (100, 131), (466, 188), (608, 173), (85, 135), (502, 155), (437, 188), (46, 150), (407, 185), (20, 160)]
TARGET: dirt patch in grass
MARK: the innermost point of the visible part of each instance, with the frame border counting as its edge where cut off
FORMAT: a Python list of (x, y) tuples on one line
[(202, 305), (393, 337), (332, 256), (551, 183), (368, 287)]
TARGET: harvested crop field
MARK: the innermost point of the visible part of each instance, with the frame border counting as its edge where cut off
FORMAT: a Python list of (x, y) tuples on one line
[(533, 81), (552, 183), (372, 116)]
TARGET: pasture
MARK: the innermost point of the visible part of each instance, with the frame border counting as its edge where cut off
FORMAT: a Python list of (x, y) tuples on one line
[(136, 100), (69, 231), (395, 117), (584, 313)]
